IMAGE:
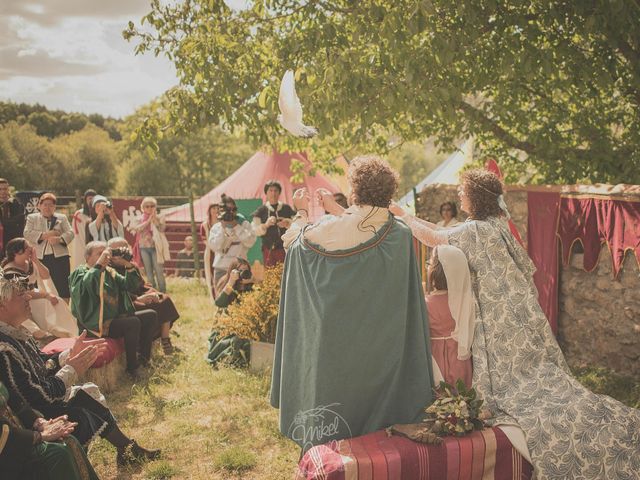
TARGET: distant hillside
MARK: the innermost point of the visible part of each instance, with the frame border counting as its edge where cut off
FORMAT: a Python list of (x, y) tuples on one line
[(53, 123)]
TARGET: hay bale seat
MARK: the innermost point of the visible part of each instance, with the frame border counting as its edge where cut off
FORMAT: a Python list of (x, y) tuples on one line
[(481, 455), (108, 370)]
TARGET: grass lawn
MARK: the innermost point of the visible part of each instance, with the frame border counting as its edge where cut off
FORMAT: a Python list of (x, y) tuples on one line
[(218, 424), (210, 424)]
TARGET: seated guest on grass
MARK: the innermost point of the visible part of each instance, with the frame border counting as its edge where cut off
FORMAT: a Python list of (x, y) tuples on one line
[(102, 305), (48, 383), (147, 297), (352, 351), (51, 234), (231, 349), (34, 448), (50, 316), (451, 313)]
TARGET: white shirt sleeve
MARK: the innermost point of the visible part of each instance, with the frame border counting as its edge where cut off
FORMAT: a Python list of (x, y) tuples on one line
[(68, 376), (245, 234), (258, 227), (292, 233), (218, 241), (426, 232)]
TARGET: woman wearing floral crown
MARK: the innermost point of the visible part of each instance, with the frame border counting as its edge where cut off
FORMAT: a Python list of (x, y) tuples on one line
[(518, 367)]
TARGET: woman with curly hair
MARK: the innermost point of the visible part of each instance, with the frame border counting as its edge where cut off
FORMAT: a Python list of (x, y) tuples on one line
[(352, 340), (518, 367)]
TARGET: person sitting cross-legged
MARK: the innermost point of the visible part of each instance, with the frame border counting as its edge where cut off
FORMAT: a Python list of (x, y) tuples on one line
[(48, 383), (101, 304)]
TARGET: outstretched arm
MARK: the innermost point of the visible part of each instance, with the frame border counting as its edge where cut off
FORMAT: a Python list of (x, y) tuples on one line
[(427, 232)]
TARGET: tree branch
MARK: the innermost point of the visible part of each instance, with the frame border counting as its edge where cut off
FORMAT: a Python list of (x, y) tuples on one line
[(490, 125)]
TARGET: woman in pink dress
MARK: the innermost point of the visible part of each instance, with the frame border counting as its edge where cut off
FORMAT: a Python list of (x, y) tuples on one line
[(451, 313)]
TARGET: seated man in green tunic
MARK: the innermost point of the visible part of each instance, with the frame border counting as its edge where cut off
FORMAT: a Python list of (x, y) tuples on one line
[(100, 301), (352, 348)]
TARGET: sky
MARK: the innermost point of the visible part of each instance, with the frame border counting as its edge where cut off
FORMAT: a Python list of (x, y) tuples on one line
[(70, 55)]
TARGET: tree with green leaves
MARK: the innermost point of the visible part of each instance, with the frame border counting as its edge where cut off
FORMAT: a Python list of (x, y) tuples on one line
[(550, 88), (67, 165)]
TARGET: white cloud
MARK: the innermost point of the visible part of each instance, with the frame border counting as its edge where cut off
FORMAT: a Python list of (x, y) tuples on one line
[(77, 61)]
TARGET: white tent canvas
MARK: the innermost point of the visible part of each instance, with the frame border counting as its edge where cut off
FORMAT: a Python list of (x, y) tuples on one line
[(446, 173)]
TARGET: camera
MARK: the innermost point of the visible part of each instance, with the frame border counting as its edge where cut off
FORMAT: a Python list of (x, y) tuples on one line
[(227, 210), (122, 252), (244, 274)]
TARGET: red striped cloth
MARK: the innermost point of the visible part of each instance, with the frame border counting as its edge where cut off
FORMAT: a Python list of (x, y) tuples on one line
[(481, 455)]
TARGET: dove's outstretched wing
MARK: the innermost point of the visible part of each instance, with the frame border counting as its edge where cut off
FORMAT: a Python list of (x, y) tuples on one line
[(289, 103), (291, 108)]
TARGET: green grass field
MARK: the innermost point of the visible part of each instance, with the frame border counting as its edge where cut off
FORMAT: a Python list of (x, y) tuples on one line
[(218, 424), (210, 424)]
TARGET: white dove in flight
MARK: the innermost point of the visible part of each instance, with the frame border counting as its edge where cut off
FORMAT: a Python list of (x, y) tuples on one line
[(291, 110)]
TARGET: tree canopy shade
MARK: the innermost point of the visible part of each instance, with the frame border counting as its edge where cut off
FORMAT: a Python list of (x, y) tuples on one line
[(549, 87)]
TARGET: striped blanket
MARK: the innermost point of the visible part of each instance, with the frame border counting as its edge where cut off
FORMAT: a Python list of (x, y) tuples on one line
[(481, 455)]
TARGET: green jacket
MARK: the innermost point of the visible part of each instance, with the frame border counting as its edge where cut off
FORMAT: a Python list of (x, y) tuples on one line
[(85, 296)]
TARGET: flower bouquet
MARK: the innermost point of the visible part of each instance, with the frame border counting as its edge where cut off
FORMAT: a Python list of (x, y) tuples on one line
[(456, 411)]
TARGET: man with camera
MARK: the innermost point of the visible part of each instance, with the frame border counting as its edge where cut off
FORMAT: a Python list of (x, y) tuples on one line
[(102, 305), (230, 238), (147, 297), (270, 222), (105, 224)]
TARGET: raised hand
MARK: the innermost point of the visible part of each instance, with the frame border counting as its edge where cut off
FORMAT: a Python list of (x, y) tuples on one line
[(271, 221), (82, 342), (301, 200), (327, 202), (83, 360), (104, 258)]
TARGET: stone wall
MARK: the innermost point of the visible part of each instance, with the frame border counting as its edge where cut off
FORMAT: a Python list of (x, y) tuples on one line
[(599, 317)]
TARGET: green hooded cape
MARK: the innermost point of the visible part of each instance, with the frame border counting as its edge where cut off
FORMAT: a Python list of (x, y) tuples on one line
[(352, 351)]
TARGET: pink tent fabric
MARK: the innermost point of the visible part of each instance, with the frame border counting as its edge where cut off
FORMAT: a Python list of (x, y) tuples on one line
[(248, 183)]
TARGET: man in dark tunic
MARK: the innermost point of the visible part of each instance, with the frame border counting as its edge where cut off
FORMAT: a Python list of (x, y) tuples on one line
[(11, 216), (270, 222)]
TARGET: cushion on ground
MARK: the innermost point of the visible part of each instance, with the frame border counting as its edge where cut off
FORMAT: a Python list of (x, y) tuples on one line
[(114, 348), (482, 455)]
